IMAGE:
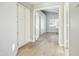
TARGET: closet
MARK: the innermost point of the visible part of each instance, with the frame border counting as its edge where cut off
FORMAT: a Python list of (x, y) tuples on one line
[(23, 24)]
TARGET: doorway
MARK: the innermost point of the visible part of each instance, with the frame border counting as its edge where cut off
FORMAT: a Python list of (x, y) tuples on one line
[(47, 29), (63, 26)]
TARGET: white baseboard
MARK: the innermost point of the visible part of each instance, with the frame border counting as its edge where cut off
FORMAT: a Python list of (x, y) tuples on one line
[(24, 43)]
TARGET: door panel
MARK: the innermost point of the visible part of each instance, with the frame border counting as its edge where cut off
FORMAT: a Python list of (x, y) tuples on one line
[(27, 25), (23, 25), (20, 24)]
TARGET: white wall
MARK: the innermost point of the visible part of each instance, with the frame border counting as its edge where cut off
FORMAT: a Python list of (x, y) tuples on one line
[(52, 19), (8, 28), (31, 24), (74, 30)]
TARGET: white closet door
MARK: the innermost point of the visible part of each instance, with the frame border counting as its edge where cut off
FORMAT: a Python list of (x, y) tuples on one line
[(20, 24), (27, 25)]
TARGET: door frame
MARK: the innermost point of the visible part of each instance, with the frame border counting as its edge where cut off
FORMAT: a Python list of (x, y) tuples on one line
[(66, 28), (64, 33), (34, 18)]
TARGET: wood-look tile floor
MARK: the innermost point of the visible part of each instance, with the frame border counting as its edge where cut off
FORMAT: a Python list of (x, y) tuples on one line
[(46, 45)]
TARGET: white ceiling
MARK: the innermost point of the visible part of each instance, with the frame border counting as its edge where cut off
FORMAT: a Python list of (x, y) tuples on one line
[(40, 3), (43, 4), (56, 10)]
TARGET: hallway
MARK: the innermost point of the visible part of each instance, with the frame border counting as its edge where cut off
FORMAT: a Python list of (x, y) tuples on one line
[(46, 45)]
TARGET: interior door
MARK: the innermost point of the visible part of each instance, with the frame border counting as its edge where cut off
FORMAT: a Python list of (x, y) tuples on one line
[(20, 24), (27, 25)]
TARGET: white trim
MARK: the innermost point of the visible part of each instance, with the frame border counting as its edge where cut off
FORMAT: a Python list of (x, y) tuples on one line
[(66, 28), (60, 22)]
